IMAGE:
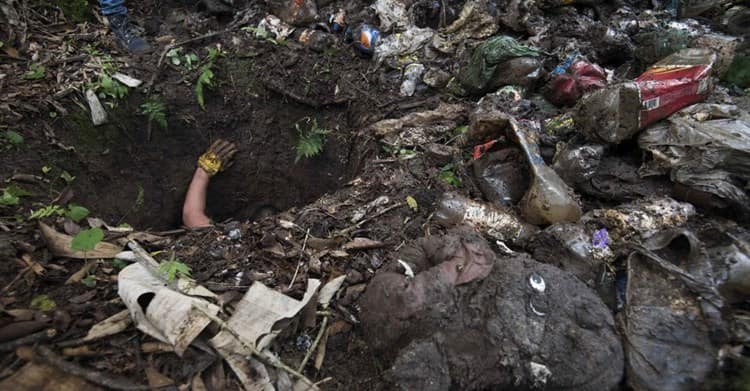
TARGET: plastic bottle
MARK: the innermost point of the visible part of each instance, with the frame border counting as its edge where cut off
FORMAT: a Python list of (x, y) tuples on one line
[(364, 37), (498, 223), (316, 40), (549, 200)]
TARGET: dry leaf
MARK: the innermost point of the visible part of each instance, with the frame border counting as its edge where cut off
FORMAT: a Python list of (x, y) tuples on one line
[(59, 244)]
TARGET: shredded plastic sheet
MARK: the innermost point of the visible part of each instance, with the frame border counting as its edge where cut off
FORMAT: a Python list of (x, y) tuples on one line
[(254, 320), (161, 312)]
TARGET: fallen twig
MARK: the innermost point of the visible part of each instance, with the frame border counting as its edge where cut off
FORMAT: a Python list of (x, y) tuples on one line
[(15, 279), (278, 364), (28, 340), (314, 103), (323, 326), (299, 262), (361, 222), (181, 43), (45, 355)]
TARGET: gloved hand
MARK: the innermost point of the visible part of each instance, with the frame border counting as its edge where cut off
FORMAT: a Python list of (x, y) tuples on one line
[(217, 157)]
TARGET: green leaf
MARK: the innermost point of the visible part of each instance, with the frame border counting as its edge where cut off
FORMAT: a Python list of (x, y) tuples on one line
[(42, 303), (35, 72), (67, 177), (87, 239), (12, 194), (76, 213), (8, 199), (89, 281), (119, 263), (448, 175), (13, 138), (46, 169), (412, 203), (174, 268)]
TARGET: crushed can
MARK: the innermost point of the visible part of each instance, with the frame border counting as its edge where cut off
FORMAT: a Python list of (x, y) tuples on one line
[(337, 21), (364, 38)]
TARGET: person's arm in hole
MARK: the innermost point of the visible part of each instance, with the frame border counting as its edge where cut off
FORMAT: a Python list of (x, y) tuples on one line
[(216, 159)]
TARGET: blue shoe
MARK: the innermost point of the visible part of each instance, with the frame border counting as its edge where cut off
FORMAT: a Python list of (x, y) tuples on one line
[(126, 35)]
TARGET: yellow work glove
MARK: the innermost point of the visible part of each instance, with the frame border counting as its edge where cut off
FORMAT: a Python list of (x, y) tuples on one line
[(218, 157)]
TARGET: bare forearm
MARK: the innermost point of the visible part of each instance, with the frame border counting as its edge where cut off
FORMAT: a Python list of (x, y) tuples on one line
[(194, 209)]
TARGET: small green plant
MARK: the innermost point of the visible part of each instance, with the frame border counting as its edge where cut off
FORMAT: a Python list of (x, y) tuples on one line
[(107, 87), (264, 34), (12, 195), (42, 303), (35, 72), (448, 175), (176, 57), (76, 212), (67, 177), (205, 80), (119, 263), (47, 211), (87, 239), (156, 112), (311, 140), (13, 139), (89, 281), (173, 268), (207, 75)]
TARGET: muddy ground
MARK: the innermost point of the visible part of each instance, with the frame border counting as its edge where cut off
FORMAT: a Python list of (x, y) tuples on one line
[(135, 172)]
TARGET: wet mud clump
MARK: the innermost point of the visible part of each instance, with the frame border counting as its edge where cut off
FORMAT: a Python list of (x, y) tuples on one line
[(473, 320)]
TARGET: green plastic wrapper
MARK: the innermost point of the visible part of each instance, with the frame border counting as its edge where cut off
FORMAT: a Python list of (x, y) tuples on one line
[(484, 68), (739, 72)]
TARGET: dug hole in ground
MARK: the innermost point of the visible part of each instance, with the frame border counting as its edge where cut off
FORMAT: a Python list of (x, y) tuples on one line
[(426, 196)]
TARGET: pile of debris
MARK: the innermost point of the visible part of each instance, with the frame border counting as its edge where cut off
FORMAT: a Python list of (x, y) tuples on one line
[(575, 217)]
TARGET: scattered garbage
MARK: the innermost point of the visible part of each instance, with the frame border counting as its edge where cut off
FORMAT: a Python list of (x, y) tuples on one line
[(498, 223), (672, 319), (295, 12), (618, 112), (503, 176), (708, 155), (98, 115), (691, 8), (487, 64), (640, 219), (577, 249), (549, 200), (737, 20), (273, 25), (532, 324), (576, 164), (316, 40), (392, 15), (652, 46), (412, 76), (364, 38), (570, 83)]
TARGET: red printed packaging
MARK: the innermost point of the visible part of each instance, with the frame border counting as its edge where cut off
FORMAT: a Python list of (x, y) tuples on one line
[(617, 113)]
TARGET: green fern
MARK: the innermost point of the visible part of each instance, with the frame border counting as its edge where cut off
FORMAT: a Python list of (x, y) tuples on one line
[(311, 141), (205, 80), (156, 112)]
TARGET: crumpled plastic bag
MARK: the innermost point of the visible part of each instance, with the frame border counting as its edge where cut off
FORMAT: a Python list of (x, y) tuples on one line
[(403, 48), (491, 323), (577, 163), (672, 318), (485, 65), (581, 77), (392, 15), (640, 219), (710, 156)]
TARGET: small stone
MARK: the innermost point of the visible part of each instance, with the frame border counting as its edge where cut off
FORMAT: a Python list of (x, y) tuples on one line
[(354, 277), (235, 234)]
